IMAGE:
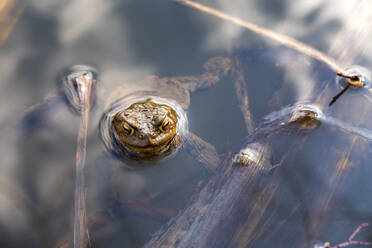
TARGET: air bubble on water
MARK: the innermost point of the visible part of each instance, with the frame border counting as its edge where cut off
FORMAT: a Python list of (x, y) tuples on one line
[(73, 84)]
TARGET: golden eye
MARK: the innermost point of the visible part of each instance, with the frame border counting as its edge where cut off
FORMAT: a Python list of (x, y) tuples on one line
[(164, 125), (127, 128)]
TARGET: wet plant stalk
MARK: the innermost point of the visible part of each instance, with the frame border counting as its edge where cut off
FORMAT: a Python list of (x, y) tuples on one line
[(241, 90), (10, 11), (80, 225)]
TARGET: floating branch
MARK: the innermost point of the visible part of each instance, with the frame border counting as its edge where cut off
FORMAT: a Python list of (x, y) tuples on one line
[(351, 240), (211, 218)]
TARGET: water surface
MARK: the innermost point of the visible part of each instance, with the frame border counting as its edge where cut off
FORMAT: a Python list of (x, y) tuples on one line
[(322, 190)]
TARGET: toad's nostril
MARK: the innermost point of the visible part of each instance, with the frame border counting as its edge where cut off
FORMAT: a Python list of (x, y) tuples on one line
[(141, 136)]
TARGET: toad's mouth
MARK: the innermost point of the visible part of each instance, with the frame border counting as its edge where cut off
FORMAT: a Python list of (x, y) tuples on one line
[(151, 150)]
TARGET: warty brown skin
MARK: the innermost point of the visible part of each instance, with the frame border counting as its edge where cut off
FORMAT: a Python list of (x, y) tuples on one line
[(146, 127)]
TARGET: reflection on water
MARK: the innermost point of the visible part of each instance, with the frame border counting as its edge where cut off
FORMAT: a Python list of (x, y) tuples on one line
[(320, 191)]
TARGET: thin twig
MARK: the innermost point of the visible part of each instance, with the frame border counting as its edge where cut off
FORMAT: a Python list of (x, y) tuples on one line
[(334, 99), (351, 240), (285, 40)]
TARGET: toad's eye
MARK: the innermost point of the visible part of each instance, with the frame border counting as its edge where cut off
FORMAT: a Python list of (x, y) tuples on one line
[(127, 128), (164, 125)]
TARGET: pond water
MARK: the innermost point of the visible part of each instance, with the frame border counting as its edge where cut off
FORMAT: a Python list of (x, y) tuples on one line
[(321, 190)]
